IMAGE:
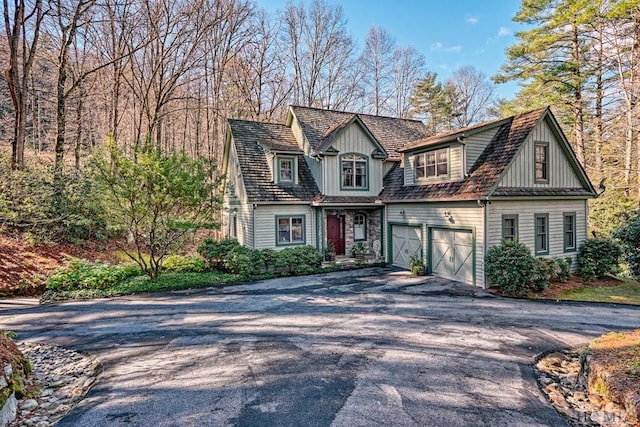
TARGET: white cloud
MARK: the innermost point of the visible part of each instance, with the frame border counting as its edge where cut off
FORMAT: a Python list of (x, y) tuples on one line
[(504, 31), (471, 19), (439, 47)]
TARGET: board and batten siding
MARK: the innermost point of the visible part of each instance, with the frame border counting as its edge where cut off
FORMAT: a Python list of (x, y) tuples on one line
[(476, 144), (464, 214), (265, 221), (352, 139), (456, 171), (521, 172), (526, 211)]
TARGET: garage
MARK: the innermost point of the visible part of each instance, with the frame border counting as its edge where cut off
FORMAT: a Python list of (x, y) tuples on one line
[(452, 254), (406, 240)]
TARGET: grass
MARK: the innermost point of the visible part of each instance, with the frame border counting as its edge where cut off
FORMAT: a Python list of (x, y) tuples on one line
[(626, 293)]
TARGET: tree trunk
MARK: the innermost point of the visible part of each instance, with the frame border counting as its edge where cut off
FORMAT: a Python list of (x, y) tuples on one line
[(578, 112)]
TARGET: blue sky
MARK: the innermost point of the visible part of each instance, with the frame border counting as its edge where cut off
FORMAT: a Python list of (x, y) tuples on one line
[(449, 33)]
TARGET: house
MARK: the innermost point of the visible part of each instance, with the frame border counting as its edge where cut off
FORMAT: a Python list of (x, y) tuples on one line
[(335, 177)]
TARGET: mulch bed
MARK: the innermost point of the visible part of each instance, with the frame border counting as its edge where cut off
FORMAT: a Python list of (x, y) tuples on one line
[(24, 266)]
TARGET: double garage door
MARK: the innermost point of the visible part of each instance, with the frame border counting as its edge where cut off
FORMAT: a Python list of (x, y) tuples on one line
[(451, 250)]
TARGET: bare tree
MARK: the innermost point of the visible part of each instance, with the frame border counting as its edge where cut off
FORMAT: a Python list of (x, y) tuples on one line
[(23, 32), (408, 67), (378, 66), (320, 52), (473, 96)]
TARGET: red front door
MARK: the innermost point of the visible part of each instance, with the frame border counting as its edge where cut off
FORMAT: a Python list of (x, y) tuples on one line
[(335, 232)]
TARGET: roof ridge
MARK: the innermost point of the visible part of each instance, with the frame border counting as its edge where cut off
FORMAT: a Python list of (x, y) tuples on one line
[(356, 113), (256, 121)]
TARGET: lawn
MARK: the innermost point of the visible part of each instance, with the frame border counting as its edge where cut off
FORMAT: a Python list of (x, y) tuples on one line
[(609, 289), (627, 293)]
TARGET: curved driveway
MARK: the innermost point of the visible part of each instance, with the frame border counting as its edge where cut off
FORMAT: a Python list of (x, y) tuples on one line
[(361, 348)]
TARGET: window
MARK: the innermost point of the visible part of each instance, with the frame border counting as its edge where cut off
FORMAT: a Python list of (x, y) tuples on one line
[(542, 234), (510, 227), (569, 231), (541, 162), (285, 170), (290, 230), (234, 227), (432, 164), (360, 227), (354, 171)]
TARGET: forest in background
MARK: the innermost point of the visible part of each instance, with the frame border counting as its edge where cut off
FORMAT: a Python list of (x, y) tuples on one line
[(167, 74)]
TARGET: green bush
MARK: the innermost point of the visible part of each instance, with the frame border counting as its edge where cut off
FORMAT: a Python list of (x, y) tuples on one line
[(216, 251), (511, 266), (629, 235), (66, 209), (598, 257), (184, 264), (299, 260), (81, 274), (564, 272)]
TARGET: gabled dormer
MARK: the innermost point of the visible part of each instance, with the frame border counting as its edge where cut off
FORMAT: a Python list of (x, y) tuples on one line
[(283, 161)]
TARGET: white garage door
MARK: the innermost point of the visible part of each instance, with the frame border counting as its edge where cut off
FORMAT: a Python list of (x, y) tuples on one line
[(452, 254), (405, 241)]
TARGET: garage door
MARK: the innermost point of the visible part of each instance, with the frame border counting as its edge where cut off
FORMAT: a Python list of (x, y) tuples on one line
[(452, 254), (405, 241)]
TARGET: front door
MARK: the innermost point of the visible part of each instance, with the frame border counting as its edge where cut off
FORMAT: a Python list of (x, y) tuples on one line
[(335, 232)]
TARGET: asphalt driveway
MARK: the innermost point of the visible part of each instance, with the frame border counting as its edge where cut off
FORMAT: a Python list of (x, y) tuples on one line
[(361, 348)]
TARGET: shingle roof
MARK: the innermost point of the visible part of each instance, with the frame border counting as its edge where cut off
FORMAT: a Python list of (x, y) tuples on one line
[(483, 175), (362, 200), (536, 192), (255, 168), (390, 132), (452, 135)]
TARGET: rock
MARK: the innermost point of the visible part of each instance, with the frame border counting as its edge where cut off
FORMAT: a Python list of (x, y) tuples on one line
[(59, 373), (29, 404)]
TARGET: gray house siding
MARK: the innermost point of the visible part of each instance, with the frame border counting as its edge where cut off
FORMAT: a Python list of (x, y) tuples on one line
[(352, 139), (521, 172), (475, 144), (526, 212), (442, 215), (266, 219)]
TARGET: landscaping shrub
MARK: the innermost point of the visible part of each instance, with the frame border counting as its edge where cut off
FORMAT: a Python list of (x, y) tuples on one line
[(184, 264), (564, 272), (597, 258), (511, 266), (298, 260), (629, 235), (215, 251), (79, 273)]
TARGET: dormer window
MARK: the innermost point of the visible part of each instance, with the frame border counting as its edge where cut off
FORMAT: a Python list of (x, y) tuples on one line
[(354, 171), (432, 164), (286, 169)]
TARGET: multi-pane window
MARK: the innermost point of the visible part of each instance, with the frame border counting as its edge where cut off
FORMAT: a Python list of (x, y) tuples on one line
[(569, 231), (542, 173), (290, 230), (359, 227), (285, 168), (354, 171), (432, 164), (542, 233), (510, 227)]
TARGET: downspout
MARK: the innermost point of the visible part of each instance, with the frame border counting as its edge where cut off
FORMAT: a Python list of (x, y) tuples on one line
[(484, 204), (253, 225)]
